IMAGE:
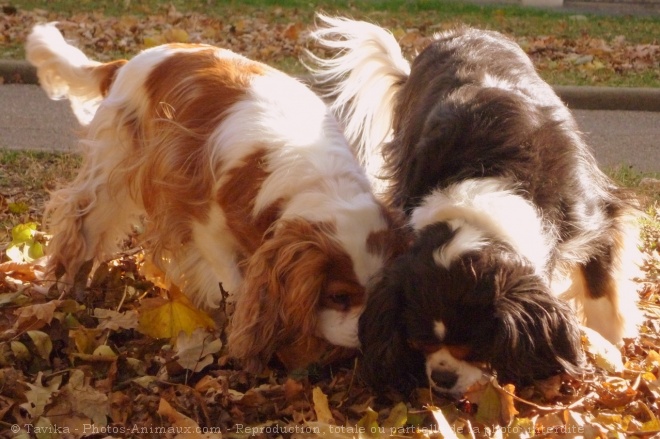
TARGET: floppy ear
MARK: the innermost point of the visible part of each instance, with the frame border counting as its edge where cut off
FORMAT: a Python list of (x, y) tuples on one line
[(537, 334), (277, 304), (388, 361)]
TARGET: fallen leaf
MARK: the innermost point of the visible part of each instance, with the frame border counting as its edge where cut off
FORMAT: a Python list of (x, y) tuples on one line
[(508, 409), (604, 353), (114, 320), (86, 400), (369, 423), (444, 428), (195, 351), (398, 416), (490, 406), (188, 428), (38, 395), (35, 316), (42, 343), (321, 407), (25, 269), (166, 318)]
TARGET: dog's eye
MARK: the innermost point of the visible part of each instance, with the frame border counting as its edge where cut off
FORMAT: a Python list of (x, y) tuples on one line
[(424, 346), (340, 301), (460, 352)]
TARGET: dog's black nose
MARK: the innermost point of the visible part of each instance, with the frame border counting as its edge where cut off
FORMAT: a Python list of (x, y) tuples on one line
[(444, 379)]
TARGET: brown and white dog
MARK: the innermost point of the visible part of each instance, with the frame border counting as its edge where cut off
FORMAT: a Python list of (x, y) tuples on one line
[(506, 200), (240, 175)]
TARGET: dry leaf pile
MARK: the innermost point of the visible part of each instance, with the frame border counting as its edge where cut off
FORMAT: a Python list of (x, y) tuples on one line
[(124, 354), (279, 35)]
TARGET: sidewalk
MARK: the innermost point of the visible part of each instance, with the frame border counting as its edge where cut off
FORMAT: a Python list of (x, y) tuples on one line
[(579, 98), (621, 124)]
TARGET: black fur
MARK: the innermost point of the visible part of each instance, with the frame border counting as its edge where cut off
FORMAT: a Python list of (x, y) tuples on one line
[(451, 125)]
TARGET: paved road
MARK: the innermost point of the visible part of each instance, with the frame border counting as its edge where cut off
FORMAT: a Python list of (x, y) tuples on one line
[(29, 120)]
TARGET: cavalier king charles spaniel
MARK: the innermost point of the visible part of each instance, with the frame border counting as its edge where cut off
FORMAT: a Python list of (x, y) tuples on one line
[(513, 219), (240, 176)]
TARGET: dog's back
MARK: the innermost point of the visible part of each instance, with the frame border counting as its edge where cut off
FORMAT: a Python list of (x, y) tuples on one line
[(241, 178), (475, 130)]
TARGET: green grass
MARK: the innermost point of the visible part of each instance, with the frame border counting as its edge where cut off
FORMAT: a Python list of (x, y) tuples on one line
[(514, 19), (427, 16), (628, 177), (26, 177)]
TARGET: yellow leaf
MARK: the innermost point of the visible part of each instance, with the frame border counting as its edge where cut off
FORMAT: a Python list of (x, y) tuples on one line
[(398, 416), (398, 33), (369, 423), (178, 36), (166, 318), (85, 339), (188, 427), (104, 351), (38, 395), (604, 353), (154, 40), (490, 406), (506, 400), (20, 351), (444, 428), (240, 26), (42, 343), (321, 407), (653, 358), (154, 274)]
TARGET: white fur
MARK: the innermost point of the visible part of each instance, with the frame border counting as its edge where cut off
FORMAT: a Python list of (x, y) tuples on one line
[(366, 71), (442, 361), (467, 238), (309, 157), (308, 160), (340, 328), (60, 68), (439, 329), (620, 316), (489, 204)]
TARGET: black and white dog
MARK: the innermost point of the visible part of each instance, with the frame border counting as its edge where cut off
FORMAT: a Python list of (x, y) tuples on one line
[(514, 220)]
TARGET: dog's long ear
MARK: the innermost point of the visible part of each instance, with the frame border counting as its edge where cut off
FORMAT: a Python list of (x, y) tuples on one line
[(388, 361), (279, 298), (537, 335)]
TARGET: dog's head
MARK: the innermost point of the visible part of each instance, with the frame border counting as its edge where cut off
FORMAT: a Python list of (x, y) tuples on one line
[(458, 303), (303, 294)]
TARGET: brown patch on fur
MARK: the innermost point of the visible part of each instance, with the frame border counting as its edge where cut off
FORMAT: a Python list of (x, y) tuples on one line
[(460, 352), (107, 72), (286, 281), (342, 288), (392, 241), (237, 196), (189, 94)]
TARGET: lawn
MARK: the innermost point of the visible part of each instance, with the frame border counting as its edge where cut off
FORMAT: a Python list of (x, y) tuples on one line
[(567, 49)]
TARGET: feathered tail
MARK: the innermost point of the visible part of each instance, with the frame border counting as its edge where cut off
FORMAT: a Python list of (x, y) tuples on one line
[(361, 80), (66, 73)]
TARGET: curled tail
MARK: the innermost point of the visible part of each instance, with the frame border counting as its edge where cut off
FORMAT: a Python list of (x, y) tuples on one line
[(362, 80), (66, 73)]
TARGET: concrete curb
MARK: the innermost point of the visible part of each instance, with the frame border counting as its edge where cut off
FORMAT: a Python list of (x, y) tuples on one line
[(578, 98), (610, 98), (17, 72)]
